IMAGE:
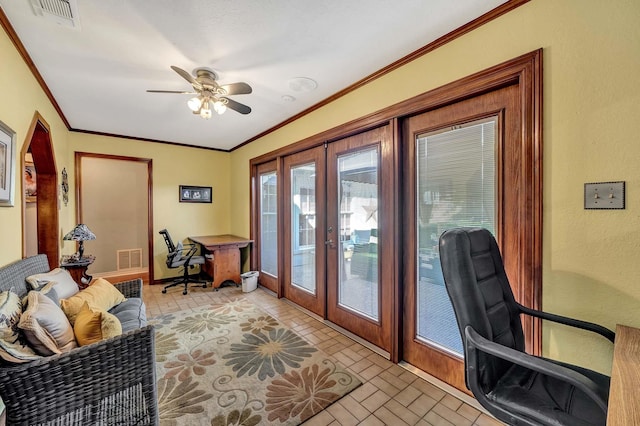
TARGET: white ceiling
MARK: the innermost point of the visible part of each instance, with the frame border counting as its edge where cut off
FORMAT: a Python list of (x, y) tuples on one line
[(99, 73)]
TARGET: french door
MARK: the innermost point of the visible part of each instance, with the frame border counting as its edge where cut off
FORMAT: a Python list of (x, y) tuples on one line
[(304, 225), (335, 235), (267, 224), (359, 284), (461, 170)]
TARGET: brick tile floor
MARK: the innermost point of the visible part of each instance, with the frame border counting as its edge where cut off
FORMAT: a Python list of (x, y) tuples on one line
[(389, 395)]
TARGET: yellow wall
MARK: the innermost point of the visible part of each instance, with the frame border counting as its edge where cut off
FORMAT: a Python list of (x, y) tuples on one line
[(172, 165), (591, 123), (20, 98)]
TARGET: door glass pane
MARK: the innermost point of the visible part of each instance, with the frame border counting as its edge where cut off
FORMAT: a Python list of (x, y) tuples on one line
[(455, 187), (358, 205), (269, 224), (303, 227)]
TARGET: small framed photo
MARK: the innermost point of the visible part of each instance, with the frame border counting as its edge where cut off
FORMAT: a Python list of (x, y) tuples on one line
[(195, 194), (7, 165)]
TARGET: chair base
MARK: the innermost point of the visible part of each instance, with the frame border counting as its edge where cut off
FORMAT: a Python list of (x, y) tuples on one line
[(185, 281)]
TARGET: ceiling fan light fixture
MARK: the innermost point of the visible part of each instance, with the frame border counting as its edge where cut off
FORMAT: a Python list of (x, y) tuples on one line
[(209, 94), (219, 107), (205, 111), (194, 103)]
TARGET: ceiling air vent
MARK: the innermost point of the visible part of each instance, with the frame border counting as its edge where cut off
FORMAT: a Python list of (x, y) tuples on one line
[(62, 12)]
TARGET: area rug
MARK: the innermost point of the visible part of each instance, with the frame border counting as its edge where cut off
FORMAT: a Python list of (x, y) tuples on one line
[(234, 364)]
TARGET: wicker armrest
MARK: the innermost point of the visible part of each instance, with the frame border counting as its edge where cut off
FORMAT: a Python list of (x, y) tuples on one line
[(110, 382), (131, 288)]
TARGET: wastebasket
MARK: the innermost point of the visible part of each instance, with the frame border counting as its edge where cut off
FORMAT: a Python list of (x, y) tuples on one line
[(249, 281)]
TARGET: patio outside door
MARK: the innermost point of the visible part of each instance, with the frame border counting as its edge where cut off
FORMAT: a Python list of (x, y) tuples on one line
[(458, 158), (359, 286), (304, 219), (334, 233)]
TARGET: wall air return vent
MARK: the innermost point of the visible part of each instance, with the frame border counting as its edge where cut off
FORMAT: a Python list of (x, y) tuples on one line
[(62, 12), (129, 259)]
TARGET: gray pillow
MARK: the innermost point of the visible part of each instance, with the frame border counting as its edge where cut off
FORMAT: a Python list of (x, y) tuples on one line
[(45, 326), (59, 278)]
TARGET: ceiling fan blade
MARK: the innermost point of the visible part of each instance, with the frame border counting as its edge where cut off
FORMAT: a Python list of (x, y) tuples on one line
[(187, 77), (236, 88), (237, 106), (172, 91)]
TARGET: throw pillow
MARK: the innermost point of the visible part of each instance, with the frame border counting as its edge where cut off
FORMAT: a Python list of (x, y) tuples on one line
[(101, 295), (94, 326), (13, 344), (58, 278), (45, 326), (47, 290)]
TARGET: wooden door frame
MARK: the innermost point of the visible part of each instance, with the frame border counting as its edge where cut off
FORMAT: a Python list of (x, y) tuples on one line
[(149, 162), (38, 142), (526, 72)]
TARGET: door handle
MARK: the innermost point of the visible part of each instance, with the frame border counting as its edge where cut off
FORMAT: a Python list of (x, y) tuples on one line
[(329, 242)]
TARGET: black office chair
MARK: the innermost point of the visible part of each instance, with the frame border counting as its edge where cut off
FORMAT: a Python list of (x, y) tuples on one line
[(182, 256), (517, 388)]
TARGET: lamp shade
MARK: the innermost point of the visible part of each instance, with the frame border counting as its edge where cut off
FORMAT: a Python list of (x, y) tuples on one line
[(80, 233)]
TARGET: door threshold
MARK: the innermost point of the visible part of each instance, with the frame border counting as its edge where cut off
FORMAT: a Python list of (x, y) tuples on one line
[(467, 399)]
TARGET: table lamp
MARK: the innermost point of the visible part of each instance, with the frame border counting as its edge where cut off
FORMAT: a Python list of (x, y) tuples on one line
[(80, 233)]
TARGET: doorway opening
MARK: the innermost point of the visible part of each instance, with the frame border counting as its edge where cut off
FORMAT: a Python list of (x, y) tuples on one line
[(40, 222), (114, 199)]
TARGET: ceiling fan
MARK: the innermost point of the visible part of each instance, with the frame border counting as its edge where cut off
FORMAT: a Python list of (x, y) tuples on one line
[(209, 93)]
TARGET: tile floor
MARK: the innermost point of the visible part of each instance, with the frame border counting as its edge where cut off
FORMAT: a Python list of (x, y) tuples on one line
[(389, 395)]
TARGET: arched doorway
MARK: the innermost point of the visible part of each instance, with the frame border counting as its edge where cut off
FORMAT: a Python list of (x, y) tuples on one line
[(38, 144)]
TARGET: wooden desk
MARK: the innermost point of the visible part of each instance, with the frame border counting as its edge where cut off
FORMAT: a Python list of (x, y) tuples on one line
[(624, 401), (225, 265)]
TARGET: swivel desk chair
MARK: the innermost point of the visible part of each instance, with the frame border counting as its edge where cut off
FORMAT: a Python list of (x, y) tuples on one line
[(182, 256), (517, 388)]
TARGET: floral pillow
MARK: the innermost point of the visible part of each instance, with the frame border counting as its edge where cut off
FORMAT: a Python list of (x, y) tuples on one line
[(13, 344)]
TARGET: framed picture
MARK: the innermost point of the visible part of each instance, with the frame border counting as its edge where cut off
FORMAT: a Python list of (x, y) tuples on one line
[(7, 165), (30, 183), (195, 194)]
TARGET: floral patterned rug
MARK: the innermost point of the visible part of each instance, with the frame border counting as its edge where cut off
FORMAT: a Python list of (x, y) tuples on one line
[(233, 364)]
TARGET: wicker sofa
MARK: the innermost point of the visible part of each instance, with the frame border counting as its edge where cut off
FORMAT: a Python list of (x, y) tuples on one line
[(106, 383)]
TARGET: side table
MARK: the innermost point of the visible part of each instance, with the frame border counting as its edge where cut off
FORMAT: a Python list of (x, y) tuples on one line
[(78, 269)]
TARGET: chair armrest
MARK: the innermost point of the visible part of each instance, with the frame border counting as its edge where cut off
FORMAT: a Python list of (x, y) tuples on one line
[(94, 384), (131, 288), (189, 250), (475, 341), (572, 322)]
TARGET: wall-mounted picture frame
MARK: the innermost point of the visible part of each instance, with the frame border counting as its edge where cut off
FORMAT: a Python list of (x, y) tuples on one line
[(7, 165), (30, 183), (195, 194)]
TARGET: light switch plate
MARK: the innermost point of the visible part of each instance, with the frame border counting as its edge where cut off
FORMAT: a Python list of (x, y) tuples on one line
[(604, 195)]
